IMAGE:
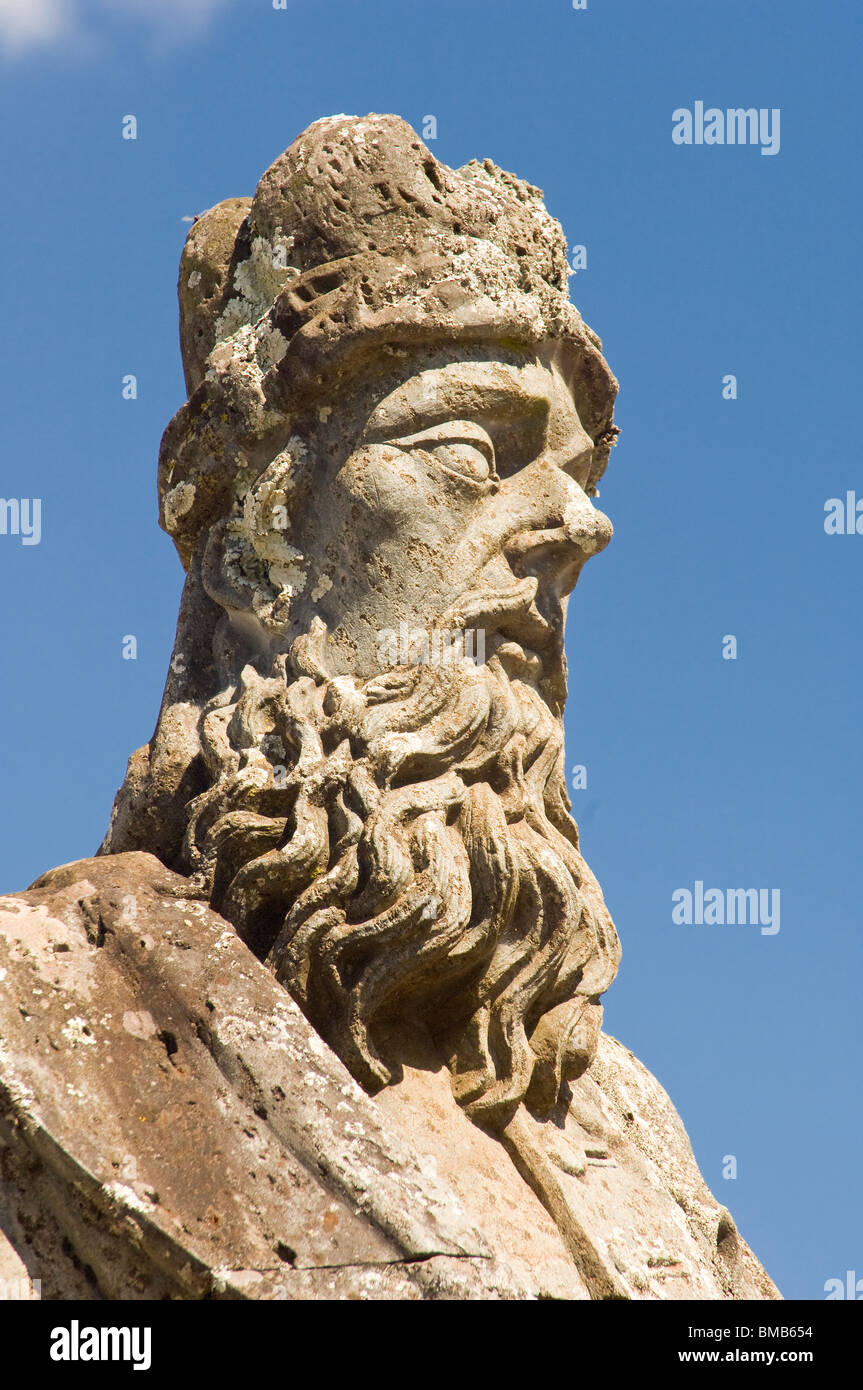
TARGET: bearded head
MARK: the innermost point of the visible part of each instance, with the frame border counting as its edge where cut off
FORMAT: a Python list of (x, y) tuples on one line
[(381, 490)]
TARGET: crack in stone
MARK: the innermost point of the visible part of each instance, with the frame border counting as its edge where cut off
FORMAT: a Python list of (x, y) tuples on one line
[(354, 1264)]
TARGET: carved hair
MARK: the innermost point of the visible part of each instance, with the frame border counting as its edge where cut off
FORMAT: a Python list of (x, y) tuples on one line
[(414, 858)]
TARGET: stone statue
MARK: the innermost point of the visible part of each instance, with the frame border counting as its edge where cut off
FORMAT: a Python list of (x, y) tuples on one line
[(348, 844)]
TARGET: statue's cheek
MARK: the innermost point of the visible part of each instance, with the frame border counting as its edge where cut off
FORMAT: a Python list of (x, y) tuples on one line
[(384, 487)]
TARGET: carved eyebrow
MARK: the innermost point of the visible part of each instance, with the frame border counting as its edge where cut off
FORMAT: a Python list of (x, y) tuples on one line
[(422, 404)]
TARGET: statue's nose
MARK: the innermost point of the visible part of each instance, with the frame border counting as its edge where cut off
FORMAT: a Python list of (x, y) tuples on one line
[(564, 526), (585, 525)]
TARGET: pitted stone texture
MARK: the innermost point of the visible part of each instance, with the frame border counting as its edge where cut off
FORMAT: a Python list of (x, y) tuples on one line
[(213, 249)]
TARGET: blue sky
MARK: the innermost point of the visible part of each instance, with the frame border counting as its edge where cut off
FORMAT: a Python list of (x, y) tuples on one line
[(702, 261)]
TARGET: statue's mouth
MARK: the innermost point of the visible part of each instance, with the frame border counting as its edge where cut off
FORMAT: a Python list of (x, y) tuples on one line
[(501, 607), (519, 600), (521, 597), (534, 627), (523, 627)]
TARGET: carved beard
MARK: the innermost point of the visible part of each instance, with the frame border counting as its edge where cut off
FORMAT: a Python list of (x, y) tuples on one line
[(401, 848)]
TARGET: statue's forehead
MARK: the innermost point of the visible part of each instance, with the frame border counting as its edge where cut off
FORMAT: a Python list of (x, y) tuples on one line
[(475, 389)]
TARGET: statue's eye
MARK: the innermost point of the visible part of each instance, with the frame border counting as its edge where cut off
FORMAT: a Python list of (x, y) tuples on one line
[(461, 447), (463, 458)]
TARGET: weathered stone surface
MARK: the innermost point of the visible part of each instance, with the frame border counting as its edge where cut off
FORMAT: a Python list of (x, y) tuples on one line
[(210, 257), (173, 1127), (323, 1019)]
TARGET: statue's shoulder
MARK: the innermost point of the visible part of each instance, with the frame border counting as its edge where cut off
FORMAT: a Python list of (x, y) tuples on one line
[(172, 1126)]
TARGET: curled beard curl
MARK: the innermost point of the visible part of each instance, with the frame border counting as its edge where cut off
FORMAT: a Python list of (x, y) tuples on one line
[(416, 859)]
